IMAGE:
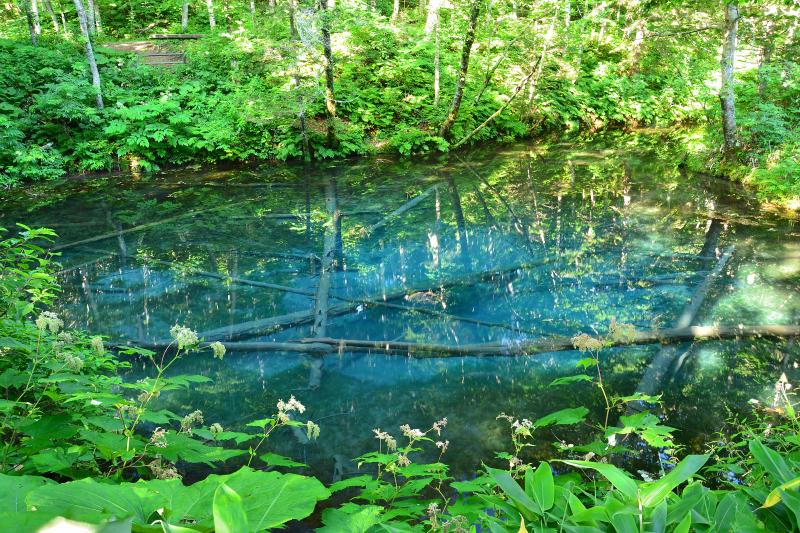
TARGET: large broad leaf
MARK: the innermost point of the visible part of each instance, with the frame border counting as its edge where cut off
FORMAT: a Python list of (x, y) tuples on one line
[(563, 417), (657, 491), (181, 447), (775, 496), (269, 499), (229, 515), (523, 503), (14, 489), (89, 501), (351, 518), (36, 522), (726, 512), (621, 481), (542, 486), (772, 462)]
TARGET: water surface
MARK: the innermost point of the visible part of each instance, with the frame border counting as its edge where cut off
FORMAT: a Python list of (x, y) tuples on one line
[(517, 242)]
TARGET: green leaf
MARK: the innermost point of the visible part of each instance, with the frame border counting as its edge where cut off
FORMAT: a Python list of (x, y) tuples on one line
[(229, 515), (542, 486), (14, 489), (511, 488), (563, 417), (774, 497), (657, 491), (87, 500), (621, 481), (726, 513), (350, 518), (772, 462), (570, 379), (683, 526), (273, 459)]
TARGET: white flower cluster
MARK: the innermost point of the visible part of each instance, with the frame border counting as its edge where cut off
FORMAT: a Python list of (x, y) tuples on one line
[(312, 430), (97, 345), (195, 417), (159, 438), (584, 343), (215, 428), (49, 320), (284, 408), (184, 336), (442, 445), (391, 443), (411, 433), (218, 348), (437, 426)]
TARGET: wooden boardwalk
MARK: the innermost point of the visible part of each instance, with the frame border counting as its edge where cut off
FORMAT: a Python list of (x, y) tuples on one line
[(150, 53)]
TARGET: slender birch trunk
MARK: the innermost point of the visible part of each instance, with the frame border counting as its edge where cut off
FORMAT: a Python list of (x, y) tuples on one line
[(212, 22), (436, 64), (97, 23), (433, 16), (395, 11), (469, 39), (330, 101), (49, 8), (87, 45), (253, 12), (301, 108), (37, 25), (185, 16), (90, 17), (726, 96), (26, 9)]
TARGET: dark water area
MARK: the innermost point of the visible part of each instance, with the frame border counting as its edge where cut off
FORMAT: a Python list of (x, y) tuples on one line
[(504, 244)]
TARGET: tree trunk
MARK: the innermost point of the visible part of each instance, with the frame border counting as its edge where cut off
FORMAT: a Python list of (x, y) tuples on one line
[(185, 16), (212, 22), (90, 25), (37, 25), (49, 8), (63, 16), (726, 89), (436, 64), (330, 101), (26, 9), (87, 45), (97, 23), (301, 111), (765, 59), (433, 16), (253, 12), (567, 13), (452, 115), (395, 11)]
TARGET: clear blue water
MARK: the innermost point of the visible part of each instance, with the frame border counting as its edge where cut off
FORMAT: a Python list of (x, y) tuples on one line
[(576, 234)]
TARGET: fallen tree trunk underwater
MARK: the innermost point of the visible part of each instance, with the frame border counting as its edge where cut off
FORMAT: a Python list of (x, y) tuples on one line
[(523, 348)]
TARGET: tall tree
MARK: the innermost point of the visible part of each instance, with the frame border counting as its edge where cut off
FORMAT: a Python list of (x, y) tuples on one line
[(25, 7), (212, 22), (185, 16), (330, 100), (726, 89), (49, 8), (469, 39), (395, 11), (301, 106), (90, 24), (87, 45), (433, 16), (37, 25)]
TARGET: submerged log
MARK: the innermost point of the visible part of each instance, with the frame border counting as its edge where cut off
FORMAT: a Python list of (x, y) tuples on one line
[(523, 348), (320, 326), (402, 209), (142, 227)]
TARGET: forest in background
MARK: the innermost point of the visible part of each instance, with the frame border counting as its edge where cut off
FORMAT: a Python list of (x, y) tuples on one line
[(314, 80)]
